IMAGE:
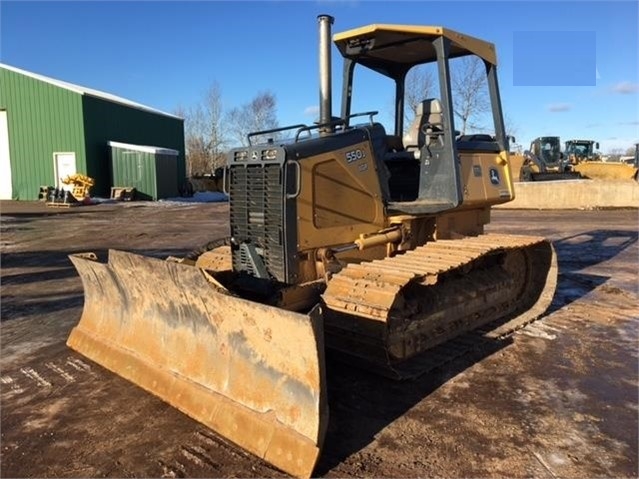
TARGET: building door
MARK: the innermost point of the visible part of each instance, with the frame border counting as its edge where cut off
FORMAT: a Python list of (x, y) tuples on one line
[(64, 165), (5, 160)]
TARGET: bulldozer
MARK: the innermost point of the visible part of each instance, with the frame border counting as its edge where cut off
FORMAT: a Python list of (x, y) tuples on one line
[(545, 161), (345, 240)]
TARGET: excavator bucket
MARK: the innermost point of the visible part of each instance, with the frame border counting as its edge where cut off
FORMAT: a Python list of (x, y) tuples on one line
[(252, 373)]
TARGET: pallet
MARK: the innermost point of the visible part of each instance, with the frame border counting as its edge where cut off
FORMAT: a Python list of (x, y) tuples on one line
[(123, 193)]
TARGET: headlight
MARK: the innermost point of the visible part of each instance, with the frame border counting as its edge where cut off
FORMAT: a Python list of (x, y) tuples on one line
[(241, 155)]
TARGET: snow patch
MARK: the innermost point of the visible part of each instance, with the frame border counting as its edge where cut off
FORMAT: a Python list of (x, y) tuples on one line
[(199, 197)]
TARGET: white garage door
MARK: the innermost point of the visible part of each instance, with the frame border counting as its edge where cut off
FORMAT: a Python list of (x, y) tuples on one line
[(5, 160)]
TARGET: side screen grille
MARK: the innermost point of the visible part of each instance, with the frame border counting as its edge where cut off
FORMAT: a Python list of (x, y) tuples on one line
[(257, 216)]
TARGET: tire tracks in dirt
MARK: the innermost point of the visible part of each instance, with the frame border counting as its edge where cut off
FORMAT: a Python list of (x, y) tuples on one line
[(49, 375)]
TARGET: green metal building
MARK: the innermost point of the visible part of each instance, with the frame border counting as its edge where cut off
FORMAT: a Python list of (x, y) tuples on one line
[(50, 129)]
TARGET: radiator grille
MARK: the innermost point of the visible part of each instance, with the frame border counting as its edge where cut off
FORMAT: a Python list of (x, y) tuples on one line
[(257, 216)]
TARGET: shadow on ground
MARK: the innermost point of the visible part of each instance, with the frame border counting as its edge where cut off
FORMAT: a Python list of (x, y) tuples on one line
[(362, 403), (26, 293), (576, 253)]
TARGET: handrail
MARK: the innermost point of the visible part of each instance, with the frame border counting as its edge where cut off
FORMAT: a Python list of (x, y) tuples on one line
[(370, 114), (272, 130), (335, 122), (305, 128), (298, 179)]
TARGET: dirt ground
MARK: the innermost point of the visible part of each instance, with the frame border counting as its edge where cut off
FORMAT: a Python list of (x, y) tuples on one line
[(558, 400)]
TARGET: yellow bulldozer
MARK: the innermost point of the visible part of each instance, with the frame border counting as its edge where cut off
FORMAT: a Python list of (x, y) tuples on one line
[(344, 239)]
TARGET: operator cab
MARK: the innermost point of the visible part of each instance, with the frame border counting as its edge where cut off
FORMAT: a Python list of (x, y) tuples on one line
[(422, 165)]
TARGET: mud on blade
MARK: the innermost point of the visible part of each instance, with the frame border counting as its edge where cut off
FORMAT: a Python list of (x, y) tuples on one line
[(252, 373)]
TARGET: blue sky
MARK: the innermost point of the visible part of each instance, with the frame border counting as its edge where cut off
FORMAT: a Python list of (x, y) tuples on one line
[(166, 54)]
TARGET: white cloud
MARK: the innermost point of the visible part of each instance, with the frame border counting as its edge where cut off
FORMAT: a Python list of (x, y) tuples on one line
[(557, 107), (625, 88), (312, 110)]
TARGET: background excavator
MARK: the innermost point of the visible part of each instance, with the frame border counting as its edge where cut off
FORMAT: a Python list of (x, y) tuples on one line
[(344, 238)]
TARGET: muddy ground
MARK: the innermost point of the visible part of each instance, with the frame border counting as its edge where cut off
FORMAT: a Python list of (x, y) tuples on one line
[(559, 399)]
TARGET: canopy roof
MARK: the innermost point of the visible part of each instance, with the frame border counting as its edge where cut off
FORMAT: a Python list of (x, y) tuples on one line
[(391, 49)]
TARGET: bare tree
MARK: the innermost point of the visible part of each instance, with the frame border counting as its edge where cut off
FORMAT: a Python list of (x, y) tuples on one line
[(214, 115), (511, 127), (470, 92), (257, 115), (512, 130), (615, 153), (204, 132), (418, 86)]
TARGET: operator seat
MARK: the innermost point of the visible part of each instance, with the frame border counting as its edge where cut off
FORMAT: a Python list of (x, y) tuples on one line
[(425, 127)]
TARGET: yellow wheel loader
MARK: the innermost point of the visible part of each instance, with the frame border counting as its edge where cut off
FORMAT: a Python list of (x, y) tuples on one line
[(345, 238), (588, 163)]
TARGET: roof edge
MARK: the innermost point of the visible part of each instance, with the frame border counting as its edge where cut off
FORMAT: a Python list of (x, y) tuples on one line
[(88, 91), (145, 148)]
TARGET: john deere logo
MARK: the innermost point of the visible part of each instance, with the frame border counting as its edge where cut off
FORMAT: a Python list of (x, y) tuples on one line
[(494, 176)]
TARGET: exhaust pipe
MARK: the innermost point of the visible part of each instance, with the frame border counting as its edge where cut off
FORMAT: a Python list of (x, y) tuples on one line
[(325, 113)]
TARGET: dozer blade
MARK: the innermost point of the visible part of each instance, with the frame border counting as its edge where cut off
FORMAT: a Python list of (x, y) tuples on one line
[(252, 373)]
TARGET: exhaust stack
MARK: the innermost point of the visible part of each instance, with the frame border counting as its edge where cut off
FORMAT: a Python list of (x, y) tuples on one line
[(325, 113)]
